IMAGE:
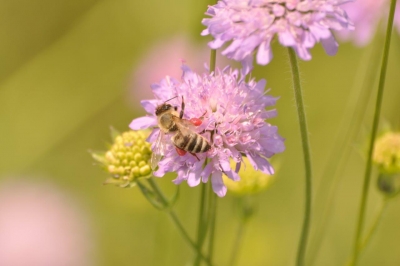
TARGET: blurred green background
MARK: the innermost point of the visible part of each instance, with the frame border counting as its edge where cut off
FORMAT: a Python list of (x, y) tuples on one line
[(66, 75)]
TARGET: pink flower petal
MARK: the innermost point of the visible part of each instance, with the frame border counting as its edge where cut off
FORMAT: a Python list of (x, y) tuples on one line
[(143, 123), (218, 185)]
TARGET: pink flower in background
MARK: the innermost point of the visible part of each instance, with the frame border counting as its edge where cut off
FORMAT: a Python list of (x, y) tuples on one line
[(163, 58), (234, 113), (40, 226), (251, 26), (366, 15)]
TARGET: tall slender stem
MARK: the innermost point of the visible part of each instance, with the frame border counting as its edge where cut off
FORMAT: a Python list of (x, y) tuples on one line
[(176, 221), (374, 226), (212, 220), (202, 221), (367, 176), (335, 164), (184, 234), (372, 230), (213, 59), (307, 158), (236, 245), (158, 191)]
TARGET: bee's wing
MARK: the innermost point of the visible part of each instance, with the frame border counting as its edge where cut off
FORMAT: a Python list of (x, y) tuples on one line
[(158, 151), (184, 124)]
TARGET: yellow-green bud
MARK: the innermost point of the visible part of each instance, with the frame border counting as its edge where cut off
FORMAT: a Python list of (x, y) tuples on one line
[(127, 159), (251, 181), (387, 153)]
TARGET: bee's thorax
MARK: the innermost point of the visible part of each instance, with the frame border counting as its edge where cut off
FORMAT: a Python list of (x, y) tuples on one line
[(167, 123)]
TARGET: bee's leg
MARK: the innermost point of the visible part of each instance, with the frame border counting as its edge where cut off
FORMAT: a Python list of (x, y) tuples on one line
[(204, 131), (212, 135), (194, 154), (180, 151), (182, 109), (202, 116)]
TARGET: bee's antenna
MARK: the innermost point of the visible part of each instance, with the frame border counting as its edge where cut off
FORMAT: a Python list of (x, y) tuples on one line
[(171, 99)]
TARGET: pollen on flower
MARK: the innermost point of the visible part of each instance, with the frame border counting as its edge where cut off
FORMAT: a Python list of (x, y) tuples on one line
[(213, 105), (127, 159), (251, 181), (387, 153)]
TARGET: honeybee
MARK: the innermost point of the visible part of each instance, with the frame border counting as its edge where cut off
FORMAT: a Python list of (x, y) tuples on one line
[(184, 138)]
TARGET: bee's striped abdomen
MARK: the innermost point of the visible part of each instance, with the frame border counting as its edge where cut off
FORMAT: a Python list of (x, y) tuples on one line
[(193, 142), (202, 145)]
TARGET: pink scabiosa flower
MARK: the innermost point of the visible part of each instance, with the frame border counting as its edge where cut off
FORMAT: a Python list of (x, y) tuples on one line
[(251, 25), (366, 15), (233, 114)]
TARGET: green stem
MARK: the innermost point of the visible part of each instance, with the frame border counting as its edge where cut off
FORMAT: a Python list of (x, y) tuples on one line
[(367, 177), (374, 225), (307, 158), (371, 231), (333, 172), (213, 59), (212, 220), (158, 191), (236, 244), (202, 222), (177, 222)]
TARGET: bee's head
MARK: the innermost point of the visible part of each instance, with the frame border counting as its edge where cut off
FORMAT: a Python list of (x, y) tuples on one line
[(163, 108)]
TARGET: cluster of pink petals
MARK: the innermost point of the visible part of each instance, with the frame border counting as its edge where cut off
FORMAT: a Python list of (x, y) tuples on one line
[(366, 15), (252, 25), (233, 109)]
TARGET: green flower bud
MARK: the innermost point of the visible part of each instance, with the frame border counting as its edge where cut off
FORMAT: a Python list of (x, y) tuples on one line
[(387, 153), (389, 184), (128, 158), (251, 181)]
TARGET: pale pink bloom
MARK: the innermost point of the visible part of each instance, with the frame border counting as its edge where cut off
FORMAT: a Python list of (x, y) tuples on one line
[(366, 15), (235, 114), (250, 26), (41, 226)]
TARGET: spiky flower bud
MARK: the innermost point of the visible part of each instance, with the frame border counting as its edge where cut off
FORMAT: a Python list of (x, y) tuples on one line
[(127, 159), (387, 153), (251, 181)]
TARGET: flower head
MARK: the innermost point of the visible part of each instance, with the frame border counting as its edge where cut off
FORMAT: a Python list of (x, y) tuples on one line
[(387, 153), (366, 15), (251, 181), (127, 159), (233, 114), (251, 25)]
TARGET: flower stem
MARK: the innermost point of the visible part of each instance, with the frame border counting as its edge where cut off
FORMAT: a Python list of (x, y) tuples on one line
[(213, 54), (236, 245), (158, 191), (212, 220), (184, 234), (367, 177), (213, 59), (307, 157), (371, 231), (373, 228), (202, 222), (177, 222), (335, 164)]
